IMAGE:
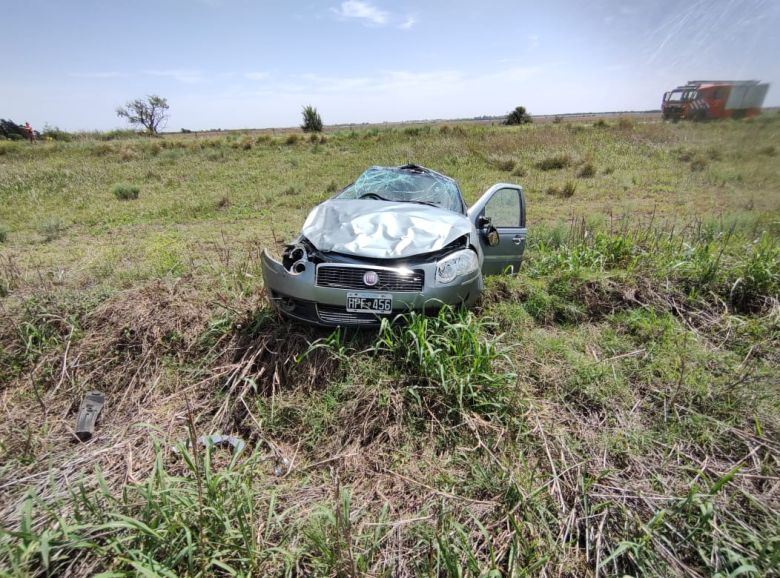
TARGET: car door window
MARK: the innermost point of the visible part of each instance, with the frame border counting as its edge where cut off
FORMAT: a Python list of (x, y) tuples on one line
[(504, 209)]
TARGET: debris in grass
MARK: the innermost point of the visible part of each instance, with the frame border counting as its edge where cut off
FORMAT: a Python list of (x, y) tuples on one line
[(282, 467), (218, 440), (88, 413)]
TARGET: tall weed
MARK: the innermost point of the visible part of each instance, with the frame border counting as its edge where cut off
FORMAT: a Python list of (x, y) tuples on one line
[(449, 362)]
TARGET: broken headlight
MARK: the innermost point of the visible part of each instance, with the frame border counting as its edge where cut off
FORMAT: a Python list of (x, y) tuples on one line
[(295, 258), (456, 265)]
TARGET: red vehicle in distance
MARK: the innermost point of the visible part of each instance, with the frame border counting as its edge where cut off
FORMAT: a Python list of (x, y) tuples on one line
[(711, 99)]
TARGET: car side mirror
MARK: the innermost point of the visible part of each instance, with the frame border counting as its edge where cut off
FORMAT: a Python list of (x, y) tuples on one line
[(485, 225), (483, 222), (491, 235)]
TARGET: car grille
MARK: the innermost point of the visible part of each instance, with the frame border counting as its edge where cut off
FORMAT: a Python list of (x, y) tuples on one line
[(339, 316), (352, 278)]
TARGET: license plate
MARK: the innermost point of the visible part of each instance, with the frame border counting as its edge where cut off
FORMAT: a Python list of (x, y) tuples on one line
[(369, 303)]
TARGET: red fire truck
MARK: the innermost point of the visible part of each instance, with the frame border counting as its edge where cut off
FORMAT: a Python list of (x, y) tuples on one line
[(707, 99)]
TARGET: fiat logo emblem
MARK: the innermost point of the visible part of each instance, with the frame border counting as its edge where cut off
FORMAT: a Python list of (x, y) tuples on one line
[(370, 278)]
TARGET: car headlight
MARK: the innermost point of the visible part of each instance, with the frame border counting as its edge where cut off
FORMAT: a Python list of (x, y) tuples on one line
[(456, 265)]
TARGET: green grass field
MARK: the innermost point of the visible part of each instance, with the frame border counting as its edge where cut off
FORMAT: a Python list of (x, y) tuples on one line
[(613, 409)]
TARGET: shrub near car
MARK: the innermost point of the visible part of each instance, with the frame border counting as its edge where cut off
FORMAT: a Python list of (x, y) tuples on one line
[(397, 239)]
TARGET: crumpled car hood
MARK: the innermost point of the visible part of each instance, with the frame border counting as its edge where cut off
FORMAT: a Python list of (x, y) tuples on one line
[(382, 229)]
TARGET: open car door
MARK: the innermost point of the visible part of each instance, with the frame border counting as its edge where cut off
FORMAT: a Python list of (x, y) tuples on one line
[(501, 207)]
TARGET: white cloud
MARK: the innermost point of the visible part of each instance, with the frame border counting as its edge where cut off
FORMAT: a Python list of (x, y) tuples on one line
[(435, 81), (257, 75), (398, 85), (185, 76), (365, 11), (321, 83), (408, 23), (515, 73), (98, 75), (372, 16), (385, 82)]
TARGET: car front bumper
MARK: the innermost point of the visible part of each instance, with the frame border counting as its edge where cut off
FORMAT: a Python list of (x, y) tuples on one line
[(299, 296)]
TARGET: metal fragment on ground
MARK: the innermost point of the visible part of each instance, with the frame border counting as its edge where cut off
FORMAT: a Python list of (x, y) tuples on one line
[(89, 410), (218, 440)]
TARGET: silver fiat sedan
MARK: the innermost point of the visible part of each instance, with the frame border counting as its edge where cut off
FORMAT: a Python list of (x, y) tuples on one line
[(397, 239)]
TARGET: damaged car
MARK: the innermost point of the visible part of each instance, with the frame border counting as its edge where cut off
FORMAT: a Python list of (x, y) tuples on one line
[(397, 239)]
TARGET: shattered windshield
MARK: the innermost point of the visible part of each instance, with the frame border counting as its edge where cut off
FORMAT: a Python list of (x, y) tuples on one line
[(408, 185)]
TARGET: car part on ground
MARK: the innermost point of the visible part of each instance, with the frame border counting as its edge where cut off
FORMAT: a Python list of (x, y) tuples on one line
[(218, 440), (89, 410), (397, 239)]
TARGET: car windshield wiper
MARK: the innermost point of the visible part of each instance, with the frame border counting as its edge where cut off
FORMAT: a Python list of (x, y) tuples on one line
[(429, 203), (376, 197)]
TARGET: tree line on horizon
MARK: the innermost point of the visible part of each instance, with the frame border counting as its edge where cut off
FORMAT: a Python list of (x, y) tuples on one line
[(151, 114)]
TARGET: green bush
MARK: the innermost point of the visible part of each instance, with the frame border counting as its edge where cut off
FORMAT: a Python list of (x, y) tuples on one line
[(54, 133), (518, 116), (685, 155), (757, 276), (586, 171), (312, 122), (117, 134), (3, 233), (417, 130), (216, 155), (51, 228), (125, 192), (554, 162), (698, 164), (8, 147), (566, 191), (519, 172), (101, 149), (503, 164)]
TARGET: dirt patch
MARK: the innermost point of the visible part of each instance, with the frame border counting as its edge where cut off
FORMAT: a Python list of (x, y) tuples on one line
[(157, 316)]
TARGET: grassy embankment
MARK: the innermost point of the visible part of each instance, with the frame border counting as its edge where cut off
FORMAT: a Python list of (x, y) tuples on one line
[(611, 410)]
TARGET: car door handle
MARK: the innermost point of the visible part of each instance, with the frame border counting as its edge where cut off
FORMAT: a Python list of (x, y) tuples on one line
[(517, 239)]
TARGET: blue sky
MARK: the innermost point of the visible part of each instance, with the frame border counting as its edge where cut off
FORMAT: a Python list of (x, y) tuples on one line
[(245, 64)]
